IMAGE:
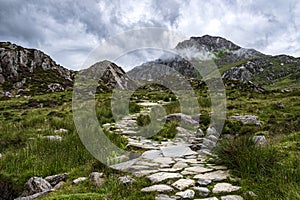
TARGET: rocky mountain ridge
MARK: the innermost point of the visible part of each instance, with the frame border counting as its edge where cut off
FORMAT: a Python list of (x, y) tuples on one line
[(29, 71), (233, 61), (26, 71)]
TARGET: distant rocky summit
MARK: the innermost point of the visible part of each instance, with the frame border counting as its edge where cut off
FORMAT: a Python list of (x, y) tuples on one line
[(107, 76), (233, 62), (30, 71), (26, 71)]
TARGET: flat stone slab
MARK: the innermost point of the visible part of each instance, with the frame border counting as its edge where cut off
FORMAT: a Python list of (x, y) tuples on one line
[(195, 170), (190, 161), (214, 176), (161, 176), (203, 191), (165, 197), (187, 194), (183, 184), (204, 182), (146, 163), (177, 151), (224, 188), (152, 154), (142, 173), (209, 198), (164, 160), (124, 165), (170, 169), (180, 165), (158, 188), (232, 197)]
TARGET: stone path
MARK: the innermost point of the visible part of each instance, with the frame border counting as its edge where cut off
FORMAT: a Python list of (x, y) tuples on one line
[(178, 168)]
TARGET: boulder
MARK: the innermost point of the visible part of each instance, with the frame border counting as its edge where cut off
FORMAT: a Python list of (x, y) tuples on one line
[(36, 185), (96, 178), (183, 118), (126, 180), (260, 140), (55, 179)]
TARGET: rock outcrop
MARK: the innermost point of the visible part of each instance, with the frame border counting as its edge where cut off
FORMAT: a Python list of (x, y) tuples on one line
[(31, 70), (233, 61)]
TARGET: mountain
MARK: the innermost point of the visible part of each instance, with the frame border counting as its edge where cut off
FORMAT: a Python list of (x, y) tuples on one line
[(107, 75), (28, 71), (233, 61)]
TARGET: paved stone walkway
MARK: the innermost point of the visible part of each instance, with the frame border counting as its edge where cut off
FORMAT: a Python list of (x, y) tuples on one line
[(178, 168)]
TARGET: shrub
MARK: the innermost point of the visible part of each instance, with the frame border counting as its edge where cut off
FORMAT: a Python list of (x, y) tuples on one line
[(143, 120)]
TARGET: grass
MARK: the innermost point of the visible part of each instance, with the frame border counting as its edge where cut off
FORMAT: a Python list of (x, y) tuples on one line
[(263, 168), (271, 172)]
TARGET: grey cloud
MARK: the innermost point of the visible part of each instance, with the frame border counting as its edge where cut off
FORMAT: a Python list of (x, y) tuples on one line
[(68, 30)]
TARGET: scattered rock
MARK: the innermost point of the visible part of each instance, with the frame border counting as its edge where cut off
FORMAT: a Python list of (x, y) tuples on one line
[(187, 194), (61, 130), (247, 119), (232, 197), (260, 140), (80, 179), (183, 131), (55, 179), (55, 87), (59, 186), (36, 185), (211, 131), (34, 196), (183, 118), (158, 188), (199, 133), (161, 176), (53, 137), (97, 178), (224, 187), (0, 155), (251, 194), (182, 184), (126, 180), (279, 105)]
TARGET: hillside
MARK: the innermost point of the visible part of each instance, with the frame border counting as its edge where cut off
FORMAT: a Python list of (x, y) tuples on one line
[(43, 154), (30, 71), (233, 61)]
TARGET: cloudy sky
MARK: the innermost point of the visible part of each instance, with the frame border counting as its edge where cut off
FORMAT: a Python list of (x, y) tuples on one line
[(68, 30)]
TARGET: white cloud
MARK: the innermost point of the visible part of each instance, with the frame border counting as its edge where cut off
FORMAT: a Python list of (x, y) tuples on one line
[(69, 30)]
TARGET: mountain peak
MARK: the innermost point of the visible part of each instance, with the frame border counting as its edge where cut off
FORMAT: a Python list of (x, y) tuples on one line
[(208, 43)]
